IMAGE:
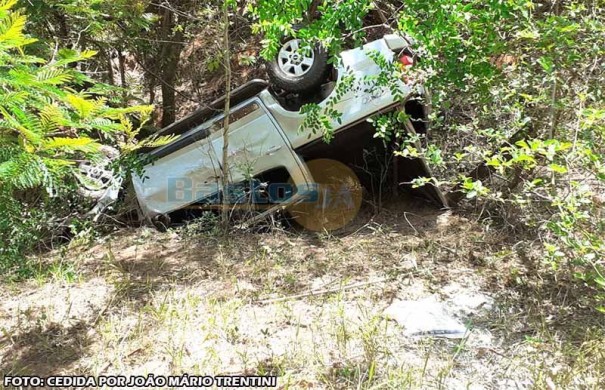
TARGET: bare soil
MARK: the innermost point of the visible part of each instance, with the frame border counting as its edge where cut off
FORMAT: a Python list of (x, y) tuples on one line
[(306, 307)]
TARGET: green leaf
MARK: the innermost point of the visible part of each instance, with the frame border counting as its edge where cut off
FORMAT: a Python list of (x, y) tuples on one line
[(557, 168), (71, 144)]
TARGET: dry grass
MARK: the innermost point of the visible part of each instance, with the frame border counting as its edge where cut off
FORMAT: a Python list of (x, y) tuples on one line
[(183, 302)]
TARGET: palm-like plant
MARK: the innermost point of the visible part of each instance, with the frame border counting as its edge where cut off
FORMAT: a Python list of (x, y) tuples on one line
[(47, 120)]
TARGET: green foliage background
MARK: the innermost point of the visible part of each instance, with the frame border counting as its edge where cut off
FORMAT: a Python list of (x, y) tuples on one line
[(517, 88), (519, 85)]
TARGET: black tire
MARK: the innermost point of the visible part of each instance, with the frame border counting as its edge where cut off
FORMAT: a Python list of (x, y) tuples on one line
[(161, 222), (314, 77)]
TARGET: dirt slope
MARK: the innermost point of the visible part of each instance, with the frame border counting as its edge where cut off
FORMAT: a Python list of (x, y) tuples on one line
[(302, 306)]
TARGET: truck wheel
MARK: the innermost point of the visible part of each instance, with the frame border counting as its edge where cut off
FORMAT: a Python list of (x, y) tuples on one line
[(336, 200), (96, 178), (297, 68), (161, 222)]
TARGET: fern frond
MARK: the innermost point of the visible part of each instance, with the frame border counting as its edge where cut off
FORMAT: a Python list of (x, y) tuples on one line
[(58, 168), (24, 78), (28, 120), (13, 98), (82, 144), (27, 130), (52, 76), (52, 91), (11, 30), (154, 142), (150, 142), (99, 106), (82, 105), (5, 5), (5, 125), (8, 153), (53, 117), (105, 125), (127, 127), (141, 111), (23, 172), (20, 78), (68, 56)]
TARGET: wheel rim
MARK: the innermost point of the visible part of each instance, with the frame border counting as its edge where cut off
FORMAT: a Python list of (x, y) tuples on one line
[(293, 61), (95, 177)]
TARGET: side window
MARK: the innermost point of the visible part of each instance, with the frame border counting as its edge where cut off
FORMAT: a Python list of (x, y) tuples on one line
[(235, 116)]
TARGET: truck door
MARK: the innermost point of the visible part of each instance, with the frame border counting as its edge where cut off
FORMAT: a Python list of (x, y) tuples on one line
[(183, 172), (257, 145)]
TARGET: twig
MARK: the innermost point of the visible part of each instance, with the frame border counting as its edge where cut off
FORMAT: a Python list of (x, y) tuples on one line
[(381, 15), (225, 156), (405, 215), (553, 109), (383, 25), (321, 292), (176, 11), (125, 357), (452, 251), (102, 312), (395, 13)]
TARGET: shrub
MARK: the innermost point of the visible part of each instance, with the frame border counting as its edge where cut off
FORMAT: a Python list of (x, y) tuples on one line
[(518, 86), (518, 124), (49, 122)]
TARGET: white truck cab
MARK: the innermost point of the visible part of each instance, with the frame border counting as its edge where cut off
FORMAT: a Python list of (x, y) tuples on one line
[(264, 133)]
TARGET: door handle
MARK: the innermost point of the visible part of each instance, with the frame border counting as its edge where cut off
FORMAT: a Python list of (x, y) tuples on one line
[(274, 149)]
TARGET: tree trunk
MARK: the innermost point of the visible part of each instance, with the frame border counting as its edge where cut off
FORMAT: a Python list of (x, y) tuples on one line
[(111, 75), (168, 97), (122, 62), (169, 61), (63, 29), (169, 73), (312, 12), (225, 168)]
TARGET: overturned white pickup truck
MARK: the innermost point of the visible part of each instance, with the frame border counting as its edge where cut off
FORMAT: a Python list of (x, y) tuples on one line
[(269, 155)]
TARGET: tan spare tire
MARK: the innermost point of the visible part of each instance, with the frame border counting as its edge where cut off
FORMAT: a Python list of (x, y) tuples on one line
[(336, 201)]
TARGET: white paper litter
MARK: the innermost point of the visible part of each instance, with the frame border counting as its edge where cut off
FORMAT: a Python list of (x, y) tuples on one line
[(425, 317)]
